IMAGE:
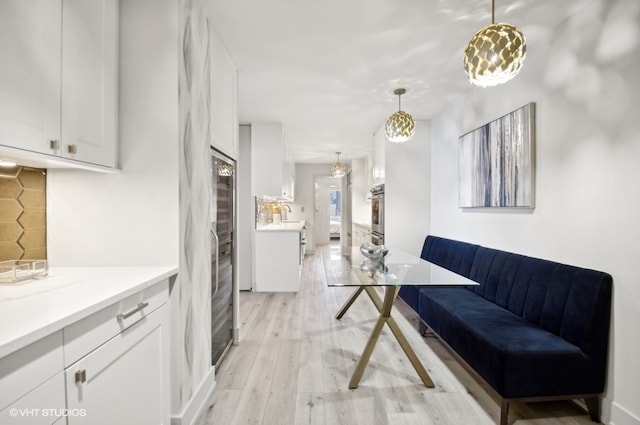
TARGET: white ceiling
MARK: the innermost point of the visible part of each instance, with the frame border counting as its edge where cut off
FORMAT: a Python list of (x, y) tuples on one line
[(327, 69)]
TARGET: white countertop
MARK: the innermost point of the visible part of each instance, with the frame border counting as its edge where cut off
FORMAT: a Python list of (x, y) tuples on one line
[(33, 309), (287, 226)]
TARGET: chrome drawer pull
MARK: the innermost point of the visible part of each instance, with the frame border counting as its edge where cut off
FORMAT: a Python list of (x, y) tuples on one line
[(140, 306)]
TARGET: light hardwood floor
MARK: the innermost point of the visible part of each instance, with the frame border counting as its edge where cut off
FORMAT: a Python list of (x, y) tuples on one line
[(295, 360)]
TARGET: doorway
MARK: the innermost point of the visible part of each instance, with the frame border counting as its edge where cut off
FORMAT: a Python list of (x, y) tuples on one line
[(328, 209), (335, 212)]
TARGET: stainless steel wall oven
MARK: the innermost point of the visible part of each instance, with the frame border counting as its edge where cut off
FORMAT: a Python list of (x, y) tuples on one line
[(377, 215)]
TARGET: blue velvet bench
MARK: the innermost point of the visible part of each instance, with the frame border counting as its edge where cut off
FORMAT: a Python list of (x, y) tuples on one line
[(533, 329)]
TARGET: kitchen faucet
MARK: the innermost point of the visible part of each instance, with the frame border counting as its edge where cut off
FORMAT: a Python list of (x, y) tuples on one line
[(288, 207)]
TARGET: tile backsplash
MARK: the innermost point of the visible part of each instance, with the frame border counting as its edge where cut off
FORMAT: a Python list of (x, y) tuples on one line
[(23, 224)]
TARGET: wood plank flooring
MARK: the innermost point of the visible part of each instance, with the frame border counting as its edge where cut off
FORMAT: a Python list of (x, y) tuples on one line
[(295, 360)]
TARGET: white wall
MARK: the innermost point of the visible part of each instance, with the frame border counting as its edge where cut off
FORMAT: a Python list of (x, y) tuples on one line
[(582, 75), (407, 196), (129, 218), (245, 211), (360, 205)]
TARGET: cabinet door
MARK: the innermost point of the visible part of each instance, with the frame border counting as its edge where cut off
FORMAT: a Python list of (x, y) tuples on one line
[(43, 406), (267, 157), (30, 37), (224, 103), (90, 81), (124, 380)]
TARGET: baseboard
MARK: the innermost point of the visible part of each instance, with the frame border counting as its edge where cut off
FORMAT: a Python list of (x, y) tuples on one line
[(198, 403), (614, 414)]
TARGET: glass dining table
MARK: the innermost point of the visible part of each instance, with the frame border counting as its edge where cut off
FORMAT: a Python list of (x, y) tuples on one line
[(397, 269)]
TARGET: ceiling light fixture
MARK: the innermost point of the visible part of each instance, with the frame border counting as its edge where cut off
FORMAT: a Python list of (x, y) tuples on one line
[(225, 169), (339, 169), (495, 53), (400, 126)]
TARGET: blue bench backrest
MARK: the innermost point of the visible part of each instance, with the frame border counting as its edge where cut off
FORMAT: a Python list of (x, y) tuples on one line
[(453, 255), (571, 302)]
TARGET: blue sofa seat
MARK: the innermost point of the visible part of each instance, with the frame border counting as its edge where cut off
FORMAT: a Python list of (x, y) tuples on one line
[(533, 329)]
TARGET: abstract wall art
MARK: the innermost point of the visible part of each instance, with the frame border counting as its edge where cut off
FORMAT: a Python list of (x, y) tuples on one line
[(496, 162)]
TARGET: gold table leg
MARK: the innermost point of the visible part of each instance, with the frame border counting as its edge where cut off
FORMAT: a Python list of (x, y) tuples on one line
[(390, 294), (350, 301)]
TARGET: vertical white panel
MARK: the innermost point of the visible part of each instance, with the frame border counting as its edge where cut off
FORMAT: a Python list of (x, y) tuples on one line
[(407, 190)]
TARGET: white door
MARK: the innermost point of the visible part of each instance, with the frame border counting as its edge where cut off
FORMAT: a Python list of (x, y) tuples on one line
[(30, 48), (322, 229), (90, 80)]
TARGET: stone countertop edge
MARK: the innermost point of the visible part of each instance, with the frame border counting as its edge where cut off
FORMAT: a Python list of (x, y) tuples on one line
[(32, 310), (284, 227)]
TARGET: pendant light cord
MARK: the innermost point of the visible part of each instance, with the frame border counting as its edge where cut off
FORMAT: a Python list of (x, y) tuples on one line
[(493, 11), (399, 107)]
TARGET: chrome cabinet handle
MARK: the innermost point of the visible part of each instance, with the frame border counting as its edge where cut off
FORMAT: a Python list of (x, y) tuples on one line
[(54, 144), (72, 149), (215, 235), (139, 307), (81, 376)]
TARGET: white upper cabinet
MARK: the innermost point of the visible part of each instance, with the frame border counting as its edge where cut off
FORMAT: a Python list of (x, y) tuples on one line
[(31, 49), (59, 80), (288, 172), (90, 81), (271, 175), (379, 151), (224, 99)]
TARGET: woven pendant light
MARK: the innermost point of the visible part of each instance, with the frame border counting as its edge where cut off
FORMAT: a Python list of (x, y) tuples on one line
[(495, 53), (339, 169), (400, 126)]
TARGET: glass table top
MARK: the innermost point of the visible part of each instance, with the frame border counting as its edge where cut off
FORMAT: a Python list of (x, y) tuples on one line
[(398, 268)]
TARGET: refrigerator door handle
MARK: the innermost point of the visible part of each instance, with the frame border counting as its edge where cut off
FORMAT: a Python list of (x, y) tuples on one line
[(217, 260)]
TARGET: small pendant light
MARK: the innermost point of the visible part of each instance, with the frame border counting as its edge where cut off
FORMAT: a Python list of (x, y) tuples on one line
[(339, 169), (400, 126)]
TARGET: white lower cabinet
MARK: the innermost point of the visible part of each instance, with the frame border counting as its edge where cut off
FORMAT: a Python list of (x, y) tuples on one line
[(32, 384), (278, 261), (122, 380), (117, 362), (111, 367)]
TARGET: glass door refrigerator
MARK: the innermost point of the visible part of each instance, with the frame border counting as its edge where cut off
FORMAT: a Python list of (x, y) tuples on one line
[(224, 318)]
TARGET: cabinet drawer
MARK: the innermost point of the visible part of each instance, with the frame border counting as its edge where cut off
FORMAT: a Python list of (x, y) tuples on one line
[(42, 406), (85, 336), (125, 379), (29, 367)]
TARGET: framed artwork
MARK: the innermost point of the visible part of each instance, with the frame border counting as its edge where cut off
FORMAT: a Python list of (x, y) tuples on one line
[(496, 162)]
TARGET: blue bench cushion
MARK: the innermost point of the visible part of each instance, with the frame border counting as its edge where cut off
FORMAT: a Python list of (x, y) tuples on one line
[(516, 357)]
